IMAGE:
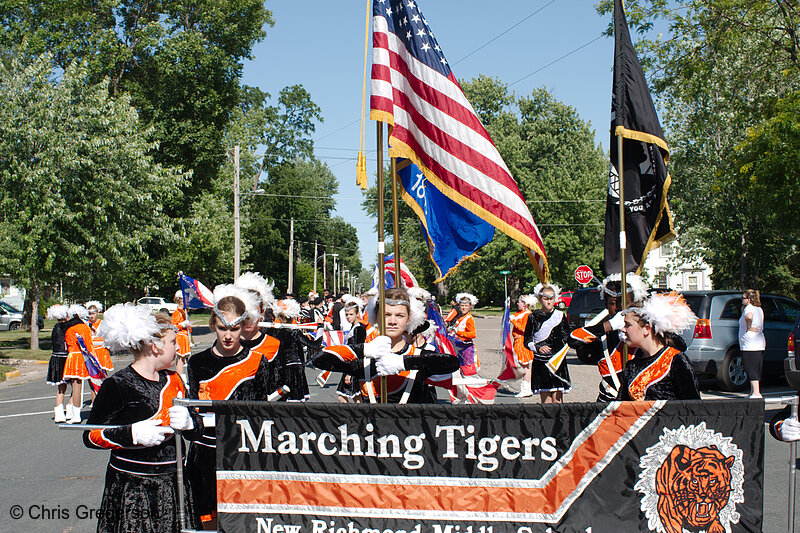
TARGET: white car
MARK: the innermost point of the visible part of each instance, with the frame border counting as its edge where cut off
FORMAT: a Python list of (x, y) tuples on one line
[(156, 304)]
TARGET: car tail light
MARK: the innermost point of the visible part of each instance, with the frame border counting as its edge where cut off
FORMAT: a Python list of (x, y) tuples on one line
[(702, 329), (791, 344)]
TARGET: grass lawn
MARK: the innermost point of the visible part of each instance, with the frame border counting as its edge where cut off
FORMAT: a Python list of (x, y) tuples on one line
[(16, 344), (3, 370)]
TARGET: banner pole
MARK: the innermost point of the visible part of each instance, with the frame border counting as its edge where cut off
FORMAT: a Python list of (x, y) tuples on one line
[(381, 250), (792, 471), (622, 240), (398, 278)]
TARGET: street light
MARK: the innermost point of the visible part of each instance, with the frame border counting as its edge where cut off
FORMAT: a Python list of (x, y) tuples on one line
[(335, 256), (237, 199)]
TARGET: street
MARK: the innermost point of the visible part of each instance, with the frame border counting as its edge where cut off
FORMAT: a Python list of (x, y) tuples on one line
[(54, 483)]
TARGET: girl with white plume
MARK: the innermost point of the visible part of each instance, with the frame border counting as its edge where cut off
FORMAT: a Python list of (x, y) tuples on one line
[(660, 370), (545, 335), (463, 327), (55, 367), (141, 492), (78, 338)]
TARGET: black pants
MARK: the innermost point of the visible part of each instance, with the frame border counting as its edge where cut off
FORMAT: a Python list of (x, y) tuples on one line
[(753, 361)]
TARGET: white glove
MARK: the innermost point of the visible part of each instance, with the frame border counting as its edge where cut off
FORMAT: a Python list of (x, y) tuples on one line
[(390, 364), (179, 418), (617, 321), (185, 324), (378, 348), (149, 433), (790, 430), (532, 346)]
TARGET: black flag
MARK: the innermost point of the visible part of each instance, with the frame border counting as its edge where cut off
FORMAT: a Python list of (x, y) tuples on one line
[(648, 221)]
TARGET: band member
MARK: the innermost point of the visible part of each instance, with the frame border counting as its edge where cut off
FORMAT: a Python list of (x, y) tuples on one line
[(180, 319), (545, 335), (226, 371), (78, 338), (55, 367), (294, 343), (599, 343), (463, 327), (361, 331), (100, 351), (524, 357), (660, 370), (141, 479), (406, 367)]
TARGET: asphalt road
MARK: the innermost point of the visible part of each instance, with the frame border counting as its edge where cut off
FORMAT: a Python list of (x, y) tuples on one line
[(55, 483)]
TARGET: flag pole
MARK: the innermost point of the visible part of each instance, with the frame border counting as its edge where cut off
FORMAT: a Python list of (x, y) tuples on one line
[(622, 240), (382, 266), (398, 278)]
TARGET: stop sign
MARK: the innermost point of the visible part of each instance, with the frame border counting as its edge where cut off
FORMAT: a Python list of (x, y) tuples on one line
[(583, 274)]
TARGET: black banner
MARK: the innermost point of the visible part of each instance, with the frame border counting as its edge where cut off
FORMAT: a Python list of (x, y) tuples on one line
[(625, 466)]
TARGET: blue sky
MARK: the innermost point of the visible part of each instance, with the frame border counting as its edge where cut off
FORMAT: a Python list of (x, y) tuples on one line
[(321, 46)]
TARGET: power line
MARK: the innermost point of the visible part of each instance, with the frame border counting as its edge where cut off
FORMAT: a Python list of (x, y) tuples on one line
[(336, 196), (493, 39), (557, 60)]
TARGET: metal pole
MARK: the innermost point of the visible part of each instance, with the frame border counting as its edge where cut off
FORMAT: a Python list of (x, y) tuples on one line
[(324, 270), (398, 278), (505, 286), (622, 240), (315, 265), (381, 245), (792, 472), (236, 243), (290, 284)]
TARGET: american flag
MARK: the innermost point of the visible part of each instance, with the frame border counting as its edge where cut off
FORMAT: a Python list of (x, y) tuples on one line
[(435, 126)]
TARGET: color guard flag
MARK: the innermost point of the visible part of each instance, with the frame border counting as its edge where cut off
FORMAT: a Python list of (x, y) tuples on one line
[(96, 372), (433, 124), (195, 294), (648, 221), (511, 370), (453, 233), (389, 274)]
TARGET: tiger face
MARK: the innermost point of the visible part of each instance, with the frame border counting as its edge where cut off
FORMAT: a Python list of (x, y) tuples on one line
[(693, 486)]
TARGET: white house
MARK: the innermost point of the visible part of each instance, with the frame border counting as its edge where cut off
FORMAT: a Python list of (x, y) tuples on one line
[(665, 269)]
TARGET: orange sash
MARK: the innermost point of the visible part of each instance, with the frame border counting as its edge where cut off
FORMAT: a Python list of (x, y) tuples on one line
[(652, 374), (221, 386)]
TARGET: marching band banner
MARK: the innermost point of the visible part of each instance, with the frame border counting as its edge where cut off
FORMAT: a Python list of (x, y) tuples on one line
[(670, 467)]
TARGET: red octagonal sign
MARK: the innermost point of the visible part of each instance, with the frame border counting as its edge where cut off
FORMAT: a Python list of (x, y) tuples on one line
[(583, 274)]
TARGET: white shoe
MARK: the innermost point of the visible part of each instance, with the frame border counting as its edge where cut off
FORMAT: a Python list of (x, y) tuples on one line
[(524, 390), (60, 416), (75, 416)]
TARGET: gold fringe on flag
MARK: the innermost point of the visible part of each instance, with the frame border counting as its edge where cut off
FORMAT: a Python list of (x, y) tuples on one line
[(361, 162)]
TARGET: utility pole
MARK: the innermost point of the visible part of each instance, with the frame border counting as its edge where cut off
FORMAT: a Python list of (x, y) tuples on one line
[(236, 243), (291, 257), (315, 265)]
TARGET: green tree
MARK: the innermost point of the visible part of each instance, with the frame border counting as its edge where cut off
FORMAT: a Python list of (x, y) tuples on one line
[(181, 62), (79, 192)]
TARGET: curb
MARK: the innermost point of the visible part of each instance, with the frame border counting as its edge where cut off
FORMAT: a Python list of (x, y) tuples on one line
[(12, 374)]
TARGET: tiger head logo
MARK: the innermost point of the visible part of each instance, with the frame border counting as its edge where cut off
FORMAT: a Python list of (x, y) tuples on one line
[(691, 481)]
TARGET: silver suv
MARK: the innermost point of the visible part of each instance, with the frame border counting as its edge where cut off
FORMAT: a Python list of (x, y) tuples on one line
[(713, 345), (10, 317)]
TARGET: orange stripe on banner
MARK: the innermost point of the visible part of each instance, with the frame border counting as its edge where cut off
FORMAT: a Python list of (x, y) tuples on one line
[(446, 498)]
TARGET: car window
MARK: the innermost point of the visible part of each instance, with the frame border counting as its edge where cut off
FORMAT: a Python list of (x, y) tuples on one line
[(732, 309), (791, 310), (772, 313), (694, 301)]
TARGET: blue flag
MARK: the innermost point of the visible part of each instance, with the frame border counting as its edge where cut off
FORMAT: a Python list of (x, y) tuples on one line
[(195, 294), (453, 232)]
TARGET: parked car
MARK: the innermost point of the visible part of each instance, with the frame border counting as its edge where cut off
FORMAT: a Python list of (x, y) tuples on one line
[(713, 345), (156, 304), (11, 318), (564, 299), (585, 304)]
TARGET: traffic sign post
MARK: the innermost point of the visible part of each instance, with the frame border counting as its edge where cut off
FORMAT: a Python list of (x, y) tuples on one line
[(583, 274), (505, 274)]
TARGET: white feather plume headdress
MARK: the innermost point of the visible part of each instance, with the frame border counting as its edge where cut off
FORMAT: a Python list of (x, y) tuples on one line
[(539, 288), (252, 311), (420, 294), (94, 303), (354, 300), (636, 283), (416, 315), (129, 327), (287, 308), (528, 299), (666, 313), (373, 291), (253, 281), (79, 311), (467, 296), (58, 312)]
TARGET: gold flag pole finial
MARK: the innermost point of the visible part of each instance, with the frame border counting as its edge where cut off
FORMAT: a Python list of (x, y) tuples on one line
[(361, 162)]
